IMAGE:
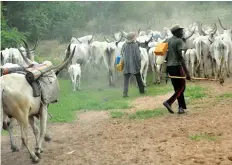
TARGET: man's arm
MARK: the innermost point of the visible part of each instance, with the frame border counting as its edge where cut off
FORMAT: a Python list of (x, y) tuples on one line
[(138, 55), (122, 53), (181, 59)]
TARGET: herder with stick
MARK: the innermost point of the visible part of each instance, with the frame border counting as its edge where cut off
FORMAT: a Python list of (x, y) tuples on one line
[(176, 67)]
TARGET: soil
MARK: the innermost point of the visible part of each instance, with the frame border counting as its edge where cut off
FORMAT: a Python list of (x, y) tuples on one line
[(97, 139)]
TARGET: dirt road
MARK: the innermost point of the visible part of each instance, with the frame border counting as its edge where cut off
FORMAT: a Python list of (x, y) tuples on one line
[(97, 139)]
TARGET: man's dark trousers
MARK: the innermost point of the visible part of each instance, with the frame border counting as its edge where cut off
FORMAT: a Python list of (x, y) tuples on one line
[(178, 84), (138, 79)]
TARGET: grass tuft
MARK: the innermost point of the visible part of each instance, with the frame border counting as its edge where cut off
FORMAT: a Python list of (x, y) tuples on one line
[(145, 114), (225, 96), (202, 136), (195, 92), (117, 114)]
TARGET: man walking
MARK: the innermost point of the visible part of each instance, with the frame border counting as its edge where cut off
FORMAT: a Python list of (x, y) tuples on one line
[(132, 62), (176, 67)]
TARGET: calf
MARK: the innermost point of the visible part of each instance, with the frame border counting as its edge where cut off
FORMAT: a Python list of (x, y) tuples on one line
[(75, 74)]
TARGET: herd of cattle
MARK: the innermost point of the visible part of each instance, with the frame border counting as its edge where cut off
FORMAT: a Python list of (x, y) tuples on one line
[(202, 47), (204, 50)]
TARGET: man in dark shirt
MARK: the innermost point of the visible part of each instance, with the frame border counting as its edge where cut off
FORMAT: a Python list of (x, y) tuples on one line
[(132, 62), (176, 67)]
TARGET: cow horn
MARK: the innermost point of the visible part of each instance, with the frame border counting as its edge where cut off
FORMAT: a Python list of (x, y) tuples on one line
[(27, 49), (90, 40), (190, 26), (79, 41), (2, 58), (190, 34), (67, 59), (119, 39), (150, 39), (221, 24), (201, 30), (106, 39), (114, 37), (214, 29), (139, 31), (36, 44), (24, 58)]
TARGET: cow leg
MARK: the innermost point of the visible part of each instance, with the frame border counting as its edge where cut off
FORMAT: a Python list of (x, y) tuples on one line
[(145, 74), (24, 135), (110, 78), (141, 70), (161, 72), (227, 67), (8, 125), (212, 64), (158, 73), (152, 68), (43, 128), (79, 82), (14, 148), (34, 128), (204, 68)]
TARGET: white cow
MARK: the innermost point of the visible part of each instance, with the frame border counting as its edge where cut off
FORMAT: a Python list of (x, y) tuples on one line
[(75, 75), (221, 52), (144, 64), (13, 55), (85, 39), (103, 52), (81, 55), (19, 103), (202, 45)]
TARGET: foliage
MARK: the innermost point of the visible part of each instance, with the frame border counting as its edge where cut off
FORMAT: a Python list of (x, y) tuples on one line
[(60, 19), (10, 37)]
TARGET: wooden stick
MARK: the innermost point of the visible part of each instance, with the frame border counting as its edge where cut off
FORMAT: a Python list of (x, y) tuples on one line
[(193, 78)]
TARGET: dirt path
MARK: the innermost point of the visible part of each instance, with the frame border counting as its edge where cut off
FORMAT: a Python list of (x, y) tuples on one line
[(97, 139)]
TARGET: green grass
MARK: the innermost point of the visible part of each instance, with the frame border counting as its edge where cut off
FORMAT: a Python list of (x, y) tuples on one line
[(225, 96), (145, 114), (195, 92), (116, 114), (4, 132), (202, 136), (95, 95)]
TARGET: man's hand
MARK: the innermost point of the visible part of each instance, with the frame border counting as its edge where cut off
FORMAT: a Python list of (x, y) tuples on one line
[(188, 77)]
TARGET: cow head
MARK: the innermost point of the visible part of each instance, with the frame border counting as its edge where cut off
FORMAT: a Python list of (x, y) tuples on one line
[(30, 53), (90, 41), (116, 41), (145, 44), (57, 68), (226, 30), (202, 32), (190, 35)]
